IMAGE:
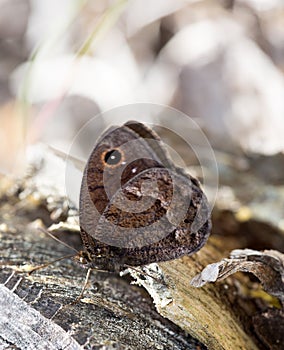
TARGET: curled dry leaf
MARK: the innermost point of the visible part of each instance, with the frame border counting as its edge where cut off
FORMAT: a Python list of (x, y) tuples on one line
[(267, 266)]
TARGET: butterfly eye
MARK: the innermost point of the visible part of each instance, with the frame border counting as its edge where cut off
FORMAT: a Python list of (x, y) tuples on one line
[(112, 157)]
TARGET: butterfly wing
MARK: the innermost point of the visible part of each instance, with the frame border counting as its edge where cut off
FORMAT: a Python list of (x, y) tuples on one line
[(102, 180), (136, 207), (148, 221)]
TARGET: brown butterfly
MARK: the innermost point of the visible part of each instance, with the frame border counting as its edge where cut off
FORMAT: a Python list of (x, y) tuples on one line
[(136, 206)]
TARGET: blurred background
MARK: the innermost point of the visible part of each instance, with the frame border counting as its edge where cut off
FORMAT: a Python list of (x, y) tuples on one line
[(220, 62)]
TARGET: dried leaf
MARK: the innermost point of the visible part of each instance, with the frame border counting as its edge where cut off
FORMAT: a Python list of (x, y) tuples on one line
[(267, 266)]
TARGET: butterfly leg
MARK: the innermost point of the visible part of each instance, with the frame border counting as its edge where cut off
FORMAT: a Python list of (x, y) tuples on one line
[(80, 296)]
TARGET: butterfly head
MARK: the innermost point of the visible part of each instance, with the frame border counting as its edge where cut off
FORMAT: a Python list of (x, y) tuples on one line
[(96, 261)]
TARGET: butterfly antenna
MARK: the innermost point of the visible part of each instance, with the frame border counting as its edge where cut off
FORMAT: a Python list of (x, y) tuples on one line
[(30, 270), (58, 240)]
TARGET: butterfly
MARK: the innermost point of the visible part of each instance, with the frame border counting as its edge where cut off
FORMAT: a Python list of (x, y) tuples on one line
[(136, 206)]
